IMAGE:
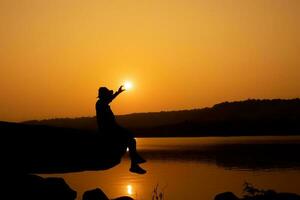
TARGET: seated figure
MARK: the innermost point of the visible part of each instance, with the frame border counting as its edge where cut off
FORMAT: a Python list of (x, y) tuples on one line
[(108, 126)]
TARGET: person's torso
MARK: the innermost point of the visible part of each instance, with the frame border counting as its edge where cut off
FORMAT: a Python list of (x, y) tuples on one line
[(105, 116)]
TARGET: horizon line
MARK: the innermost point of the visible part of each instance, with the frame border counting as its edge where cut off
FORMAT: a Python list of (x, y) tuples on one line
[(151, 112)]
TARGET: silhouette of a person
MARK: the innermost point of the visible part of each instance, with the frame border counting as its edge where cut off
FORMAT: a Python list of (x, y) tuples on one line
[(107, 125)]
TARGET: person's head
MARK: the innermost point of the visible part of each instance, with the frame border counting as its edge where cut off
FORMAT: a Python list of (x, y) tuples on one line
[(104, 93)]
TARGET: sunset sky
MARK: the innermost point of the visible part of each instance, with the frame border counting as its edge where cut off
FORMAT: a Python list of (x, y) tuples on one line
[(179, 54)]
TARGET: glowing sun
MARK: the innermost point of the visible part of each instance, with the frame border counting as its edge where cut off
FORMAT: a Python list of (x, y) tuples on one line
[(127, 85)]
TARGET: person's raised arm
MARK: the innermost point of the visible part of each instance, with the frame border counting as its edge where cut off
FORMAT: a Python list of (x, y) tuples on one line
[(121, 89)]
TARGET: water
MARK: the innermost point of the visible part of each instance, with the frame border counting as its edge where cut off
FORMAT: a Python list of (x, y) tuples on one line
[(199, 168)]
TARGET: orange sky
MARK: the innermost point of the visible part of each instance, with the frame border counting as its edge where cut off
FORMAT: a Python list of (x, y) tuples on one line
[(180, 54)]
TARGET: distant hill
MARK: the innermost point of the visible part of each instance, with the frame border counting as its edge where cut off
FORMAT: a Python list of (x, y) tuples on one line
[(249, 117)]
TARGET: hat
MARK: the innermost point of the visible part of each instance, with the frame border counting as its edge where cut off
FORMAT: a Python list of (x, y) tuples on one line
[(102, 91)]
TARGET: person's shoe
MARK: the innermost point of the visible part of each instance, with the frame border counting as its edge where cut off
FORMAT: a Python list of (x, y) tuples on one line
[(137, 169)]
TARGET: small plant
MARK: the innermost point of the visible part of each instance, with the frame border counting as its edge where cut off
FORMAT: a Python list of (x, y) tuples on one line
[(156, 194), (253, 193)]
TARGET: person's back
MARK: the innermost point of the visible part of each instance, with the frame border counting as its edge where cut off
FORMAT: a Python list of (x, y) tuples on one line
[(105, 117)]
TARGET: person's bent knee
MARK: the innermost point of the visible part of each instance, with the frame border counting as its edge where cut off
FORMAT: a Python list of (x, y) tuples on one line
[(132, 142)]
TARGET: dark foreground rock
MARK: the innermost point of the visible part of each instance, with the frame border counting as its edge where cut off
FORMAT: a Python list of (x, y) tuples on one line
[(226, 196), (95, 194), (37, 188), (32, 149), (252, 193), (43, 149), (98, 194), (124, 198), (33, 187), (268, 196)]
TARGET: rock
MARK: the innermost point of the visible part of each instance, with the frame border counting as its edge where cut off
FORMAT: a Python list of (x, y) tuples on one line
[(287, 196), (124, 198), (40, 149), (264, 195), (98, 194), (226, 196), (95, 194), (36, 188)]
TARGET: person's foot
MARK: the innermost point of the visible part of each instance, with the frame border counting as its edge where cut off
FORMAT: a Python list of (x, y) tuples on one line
[(137, 169)]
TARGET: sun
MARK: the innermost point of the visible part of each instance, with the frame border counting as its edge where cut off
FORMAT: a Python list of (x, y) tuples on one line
[(127, 85)]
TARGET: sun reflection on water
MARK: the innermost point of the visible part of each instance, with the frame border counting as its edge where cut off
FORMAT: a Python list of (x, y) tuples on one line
[(129, 190)]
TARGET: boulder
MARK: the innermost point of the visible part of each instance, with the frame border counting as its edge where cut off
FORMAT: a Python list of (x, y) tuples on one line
[(263, 195), (95, 194), (40, 149), (226, 196), (35, 188), (287, 196), (124, 198), (98, 194)]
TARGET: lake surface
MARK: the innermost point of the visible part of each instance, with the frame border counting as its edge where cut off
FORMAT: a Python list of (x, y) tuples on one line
[(199, 168)]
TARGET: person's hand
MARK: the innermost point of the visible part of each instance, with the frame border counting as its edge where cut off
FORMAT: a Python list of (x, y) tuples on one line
[(121, 89)]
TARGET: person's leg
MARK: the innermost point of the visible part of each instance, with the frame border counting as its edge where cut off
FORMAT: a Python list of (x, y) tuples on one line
[(134, 156), (134, 167)]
